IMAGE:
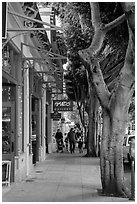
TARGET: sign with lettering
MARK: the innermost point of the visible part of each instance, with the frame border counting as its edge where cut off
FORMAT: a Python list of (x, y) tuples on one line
[(62, 105), (55, 116)]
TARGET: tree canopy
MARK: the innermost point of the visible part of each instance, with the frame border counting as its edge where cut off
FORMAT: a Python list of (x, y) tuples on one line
[(78, 33)]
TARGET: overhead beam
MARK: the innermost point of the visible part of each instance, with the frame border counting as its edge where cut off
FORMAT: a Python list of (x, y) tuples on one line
[(47, 52), (56, 93), (35, 58), (28, 29), (35, 20), (52, 82), (48, 72), (46, 82)]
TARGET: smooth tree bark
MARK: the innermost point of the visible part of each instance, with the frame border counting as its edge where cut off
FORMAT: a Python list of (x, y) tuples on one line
[(114, 104)]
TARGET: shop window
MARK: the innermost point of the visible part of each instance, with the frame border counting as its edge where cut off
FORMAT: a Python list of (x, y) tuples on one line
[(34, 124), (34, 104), (10, 61), (6, 130), (6, 59), (8, 93), (133, 126)]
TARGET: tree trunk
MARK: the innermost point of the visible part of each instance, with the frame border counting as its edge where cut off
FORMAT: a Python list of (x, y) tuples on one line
[(91, 149), (115, 104), (111, 157)]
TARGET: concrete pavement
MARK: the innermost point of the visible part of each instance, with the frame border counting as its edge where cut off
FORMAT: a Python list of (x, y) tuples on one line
[(62, 177)]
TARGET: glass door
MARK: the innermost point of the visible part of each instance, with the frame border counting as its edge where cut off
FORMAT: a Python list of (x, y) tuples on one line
[(8, 134)]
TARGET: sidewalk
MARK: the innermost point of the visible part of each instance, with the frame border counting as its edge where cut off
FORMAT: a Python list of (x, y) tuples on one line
[(62, 177)]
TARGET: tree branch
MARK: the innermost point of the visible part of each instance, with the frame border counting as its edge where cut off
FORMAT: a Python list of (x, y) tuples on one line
[(100, 31), (95, 76), (100, 86), (115, 23), (82, 22), (98, 36), (95, 14), (90, 54)]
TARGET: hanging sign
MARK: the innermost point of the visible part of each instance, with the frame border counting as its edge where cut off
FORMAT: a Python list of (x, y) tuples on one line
[(55, 116), (62, 105), (62, 120)]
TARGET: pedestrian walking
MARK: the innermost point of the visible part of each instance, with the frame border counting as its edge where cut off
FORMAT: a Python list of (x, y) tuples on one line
[(80, 144), (66, 142), (78, 133), (59, 140), (72, 140)]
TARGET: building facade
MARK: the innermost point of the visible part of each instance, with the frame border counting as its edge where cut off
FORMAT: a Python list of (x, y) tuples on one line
[(26, 94)]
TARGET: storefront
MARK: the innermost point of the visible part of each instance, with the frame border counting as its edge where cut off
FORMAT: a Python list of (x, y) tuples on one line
[(26, 102), (11, 105)]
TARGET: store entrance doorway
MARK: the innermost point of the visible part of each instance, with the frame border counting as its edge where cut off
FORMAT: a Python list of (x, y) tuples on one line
[(35, 129)]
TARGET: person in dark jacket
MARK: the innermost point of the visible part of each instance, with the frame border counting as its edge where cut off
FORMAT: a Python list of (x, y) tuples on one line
[(59, 138), (80, 144), (66, 141), (72, 140)]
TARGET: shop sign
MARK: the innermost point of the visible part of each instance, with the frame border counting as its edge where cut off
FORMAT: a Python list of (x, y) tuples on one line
[(62, 120), (55, 116), (56, 119), (62, 105)]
